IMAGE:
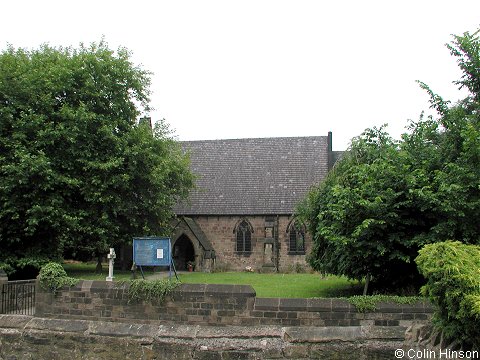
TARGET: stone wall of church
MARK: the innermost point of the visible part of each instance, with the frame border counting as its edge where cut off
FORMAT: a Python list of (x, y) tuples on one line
[(220, 231)]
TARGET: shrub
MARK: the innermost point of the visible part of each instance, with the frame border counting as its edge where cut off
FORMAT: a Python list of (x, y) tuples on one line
[(9, 270), (156, 290), (367, 303), (452, 271), (53, 277)]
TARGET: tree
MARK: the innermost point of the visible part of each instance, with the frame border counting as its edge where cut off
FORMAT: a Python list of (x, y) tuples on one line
[(385, 199), (450, 151), (361, 215), (77, 170)]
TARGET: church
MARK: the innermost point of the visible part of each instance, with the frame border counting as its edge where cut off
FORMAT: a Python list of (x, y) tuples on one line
[(240, 216)]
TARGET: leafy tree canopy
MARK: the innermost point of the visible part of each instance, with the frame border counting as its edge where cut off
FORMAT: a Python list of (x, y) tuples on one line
[(77, 170), (386, 199)]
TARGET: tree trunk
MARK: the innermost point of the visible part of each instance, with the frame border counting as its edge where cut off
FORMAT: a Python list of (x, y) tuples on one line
[(98, 269), (367, 282)]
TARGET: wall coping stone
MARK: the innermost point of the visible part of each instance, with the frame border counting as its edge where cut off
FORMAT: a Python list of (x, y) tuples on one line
[(191, 289), (36, 337), (294, 304), (57, 325), (343, 333), (291, 334), (418, 307), (270, 304), (335, 305), (17, 321), (217, 290), (320, 305)]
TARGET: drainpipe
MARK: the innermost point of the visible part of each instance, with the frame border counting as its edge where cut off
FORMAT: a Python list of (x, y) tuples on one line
[(276, 245)]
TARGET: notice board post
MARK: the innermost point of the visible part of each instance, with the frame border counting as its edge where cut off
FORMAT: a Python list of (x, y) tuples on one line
[(153, 251)]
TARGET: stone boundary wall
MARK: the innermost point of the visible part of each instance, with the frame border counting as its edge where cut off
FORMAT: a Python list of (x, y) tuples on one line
[(27, 337), (201, 304)]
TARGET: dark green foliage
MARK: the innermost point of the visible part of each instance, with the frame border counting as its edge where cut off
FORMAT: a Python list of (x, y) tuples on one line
[(452, 270), (53, 277), (386, 199), (369, 303), (152, 290), (77, 171), (361, 214)]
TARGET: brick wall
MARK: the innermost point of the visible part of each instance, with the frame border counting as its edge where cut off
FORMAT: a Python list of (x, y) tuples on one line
[(202, 304), (219, 230)]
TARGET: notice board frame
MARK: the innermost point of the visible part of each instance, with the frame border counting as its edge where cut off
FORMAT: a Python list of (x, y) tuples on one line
[(153, 251)]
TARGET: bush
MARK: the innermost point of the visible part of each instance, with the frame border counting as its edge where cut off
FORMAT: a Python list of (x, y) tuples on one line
[(9, 270), (156, 290), (368, 303), (53, 277), (452, 271)]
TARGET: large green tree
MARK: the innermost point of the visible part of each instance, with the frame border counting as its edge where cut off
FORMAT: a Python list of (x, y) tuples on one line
[(362, 216), (386, 199), (77, 170)]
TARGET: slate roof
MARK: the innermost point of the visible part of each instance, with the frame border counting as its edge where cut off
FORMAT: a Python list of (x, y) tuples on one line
[(257, 176)]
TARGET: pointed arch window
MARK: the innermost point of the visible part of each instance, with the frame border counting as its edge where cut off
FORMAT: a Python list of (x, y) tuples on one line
[(244, 237), (296, 243)]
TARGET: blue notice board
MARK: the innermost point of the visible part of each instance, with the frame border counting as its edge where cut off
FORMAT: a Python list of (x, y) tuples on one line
[(152, 251)]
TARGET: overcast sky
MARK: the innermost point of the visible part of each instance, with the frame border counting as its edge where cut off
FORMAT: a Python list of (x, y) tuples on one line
[(233, 69)]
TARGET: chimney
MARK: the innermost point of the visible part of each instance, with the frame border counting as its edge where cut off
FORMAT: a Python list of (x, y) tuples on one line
[(146, 120), (329, 150)]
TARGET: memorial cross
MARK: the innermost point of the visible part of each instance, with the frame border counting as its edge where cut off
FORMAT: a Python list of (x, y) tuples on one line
[(111, 259)]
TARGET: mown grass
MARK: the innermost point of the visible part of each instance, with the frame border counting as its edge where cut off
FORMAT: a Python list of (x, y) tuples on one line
[(281, 285), (265, 285)]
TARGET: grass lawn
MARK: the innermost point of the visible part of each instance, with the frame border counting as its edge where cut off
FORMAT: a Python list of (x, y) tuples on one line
[(86, 271), (280, 285), (266, 285)]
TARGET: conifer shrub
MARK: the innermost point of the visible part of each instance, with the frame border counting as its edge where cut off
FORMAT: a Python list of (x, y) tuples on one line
[(52, 277), (452, 272)]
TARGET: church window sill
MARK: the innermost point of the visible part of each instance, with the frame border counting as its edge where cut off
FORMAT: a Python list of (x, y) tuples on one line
[(243, 253), (296, 253)]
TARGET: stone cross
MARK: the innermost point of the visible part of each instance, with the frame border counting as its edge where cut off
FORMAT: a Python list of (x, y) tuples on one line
[(111, 259)]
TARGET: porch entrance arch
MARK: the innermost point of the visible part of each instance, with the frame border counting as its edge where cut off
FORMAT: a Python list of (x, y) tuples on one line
[(183, 252)]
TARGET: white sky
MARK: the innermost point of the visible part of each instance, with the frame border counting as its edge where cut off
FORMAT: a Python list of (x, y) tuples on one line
[(263, 68)]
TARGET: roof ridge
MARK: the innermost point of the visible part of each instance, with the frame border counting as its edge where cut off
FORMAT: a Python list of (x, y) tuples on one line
[(258, 138)]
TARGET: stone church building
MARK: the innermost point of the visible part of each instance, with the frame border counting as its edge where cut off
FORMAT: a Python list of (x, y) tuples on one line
[(240, 215)]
